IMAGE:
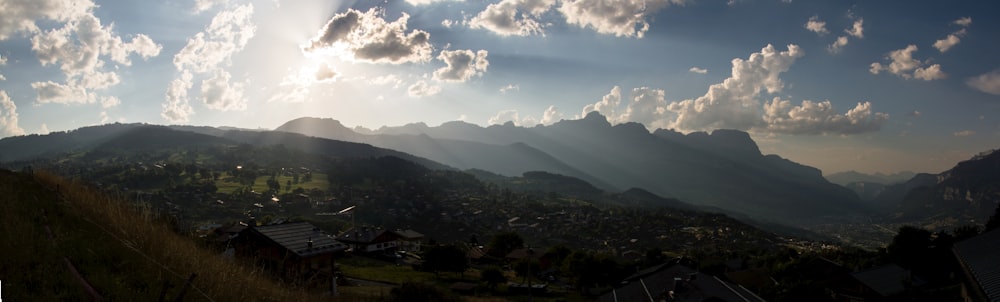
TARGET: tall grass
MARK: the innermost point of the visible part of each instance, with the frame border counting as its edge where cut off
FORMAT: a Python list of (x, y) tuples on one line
[(122, 248)]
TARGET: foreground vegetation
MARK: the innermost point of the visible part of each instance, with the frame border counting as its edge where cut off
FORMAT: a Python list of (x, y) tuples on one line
[(124, 250)]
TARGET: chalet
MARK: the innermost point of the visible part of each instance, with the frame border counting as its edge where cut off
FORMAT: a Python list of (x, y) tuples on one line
[(369, 240), (296, 250), (675, 281), (981, 266), (408, 240)]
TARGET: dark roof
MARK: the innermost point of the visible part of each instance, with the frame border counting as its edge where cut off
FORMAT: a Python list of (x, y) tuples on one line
[(979, 256), (295, 237), (409, 234), (363, 236), (885, 280), (687, 283), (519, 254)]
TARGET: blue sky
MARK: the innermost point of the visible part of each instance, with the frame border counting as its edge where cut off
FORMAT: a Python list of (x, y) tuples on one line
[(872, 86)]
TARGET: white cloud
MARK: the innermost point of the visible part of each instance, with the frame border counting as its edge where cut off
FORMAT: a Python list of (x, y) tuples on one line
[(929, 73), (461, 65), (424, 2), (950, 41), (422, 89), (904, 65), (733, 103), (8, 116), (618, 17), (3, 61), (503, 117), (204, 5), (607, 106), (44, 129), (80, 47), (387, 80), (816, 26), (219, 93), (22, 15), (648, 106), (110, 101), (509, 88), (947, 43), (858, 29), (551, 115), (57, 93), (364, 36), (809, 117), (208, 52), (837, 44), (964, 21), (324, 73), (698, 70), (988, 82), (177, 108), (228, 34), (964, 133), (513, 17)]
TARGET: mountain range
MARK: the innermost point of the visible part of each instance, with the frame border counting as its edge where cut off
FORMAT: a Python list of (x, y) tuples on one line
[(723, 169)]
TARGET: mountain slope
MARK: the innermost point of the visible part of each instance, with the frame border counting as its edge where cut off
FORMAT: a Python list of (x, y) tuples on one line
[(724, 169), (970, 191), (135, 137)]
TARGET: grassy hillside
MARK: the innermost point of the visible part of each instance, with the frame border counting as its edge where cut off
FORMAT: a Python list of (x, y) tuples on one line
[(122, 249)]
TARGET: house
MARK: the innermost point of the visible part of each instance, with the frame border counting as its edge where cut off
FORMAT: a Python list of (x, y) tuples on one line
[(981, 266), (676, 282), (369, 240), (408, 240), (294, 250)]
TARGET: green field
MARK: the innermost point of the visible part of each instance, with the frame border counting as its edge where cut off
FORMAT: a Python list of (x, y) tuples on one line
[(227, 184)]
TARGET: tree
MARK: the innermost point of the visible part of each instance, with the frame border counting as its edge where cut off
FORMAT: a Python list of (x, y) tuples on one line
[(503, 243), (994, 221), (909, 246), (492, 276), (447, 258)]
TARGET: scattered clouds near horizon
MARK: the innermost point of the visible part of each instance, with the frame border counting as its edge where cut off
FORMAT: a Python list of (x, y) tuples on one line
[(209, 53), (550, 116), (735, 104), (905, 66), (8, 116)]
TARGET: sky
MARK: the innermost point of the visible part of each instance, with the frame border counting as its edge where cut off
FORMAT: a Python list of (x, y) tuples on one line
[(870, 86)]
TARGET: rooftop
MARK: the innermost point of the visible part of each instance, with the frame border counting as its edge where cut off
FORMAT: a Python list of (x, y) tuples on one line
[(979, 256), (295, 236)]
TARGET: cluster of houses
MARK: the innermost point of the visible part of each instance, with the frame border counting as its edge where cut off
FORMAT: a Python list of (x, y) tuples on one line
[(302, 252)]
